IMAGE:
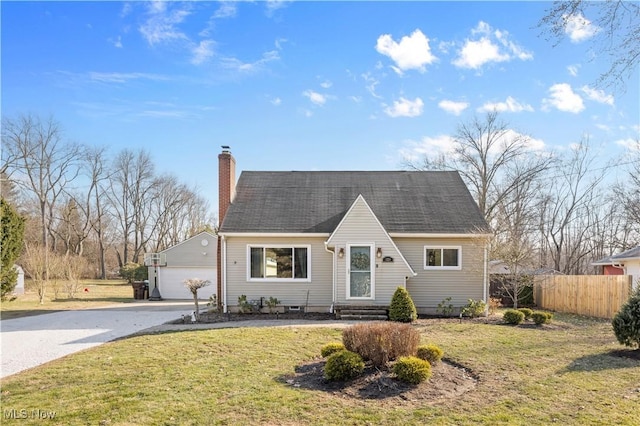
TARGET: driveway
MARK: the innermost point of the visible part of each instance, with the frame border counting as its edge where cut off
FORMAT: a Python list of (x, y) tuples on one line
[(32, 341)]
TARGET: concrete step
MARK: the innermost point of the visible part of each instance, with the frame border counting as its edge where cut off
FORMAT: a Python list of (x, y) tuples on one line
[(363, 317)]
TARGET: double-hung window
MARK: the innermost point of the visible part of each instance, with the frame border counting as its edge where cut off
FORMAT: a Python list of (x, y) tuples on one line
[(443, 257), (270, 263)]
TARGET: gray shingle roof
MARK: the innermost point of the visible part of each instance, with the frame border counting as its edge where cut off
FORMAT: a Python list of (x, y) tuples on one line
[(315, 202), (629, 254)]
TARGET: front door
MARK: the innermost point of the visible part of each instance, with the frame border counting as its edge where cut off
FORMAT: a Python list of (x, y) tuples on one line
[(360, 272)]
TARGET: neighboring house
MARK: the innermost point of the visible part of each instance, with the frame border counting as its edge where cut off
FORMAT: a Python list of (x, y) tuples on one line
[(320, 240), (192, 258), (630, 262), (608, 267)]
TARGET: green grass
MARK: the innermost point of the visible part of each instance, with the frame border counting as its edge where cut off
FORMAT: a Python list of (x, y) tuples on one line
[(559, 374), (99, 293)]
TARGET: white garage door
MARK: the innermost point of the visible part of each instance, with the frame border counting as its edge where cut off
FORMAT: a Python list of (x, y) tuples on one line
[(171, 286)]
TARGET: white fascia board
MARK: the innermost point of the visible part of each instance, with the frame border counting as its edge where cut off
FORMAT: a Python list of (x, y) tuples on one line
[(189, 239), (360, 197)]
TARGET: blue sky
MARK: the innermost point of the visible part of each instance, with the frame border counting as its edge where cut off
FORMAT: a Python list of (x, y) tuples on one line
[(304, 85)]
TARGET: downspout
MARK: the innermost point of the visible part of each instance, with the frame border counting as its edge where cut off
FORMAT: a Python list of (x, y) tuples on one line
[(224, 274), (484, 279), (334, 274)]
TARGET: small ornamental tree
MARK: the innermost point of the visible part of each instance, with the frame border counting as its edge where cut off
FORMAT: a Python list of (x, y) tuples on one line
[(626, 323), (195, 284), (402, 308)]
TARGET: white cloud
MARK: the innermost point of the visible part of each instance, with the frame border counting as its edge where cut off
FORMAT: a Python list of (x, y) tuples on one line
[(117, 42), (273, 5), (405, 108), (453, 107), (487, 46), (276, 101), (116, 77), (202, 52), (579, 28), (326, 84), (412, 52), (248, 67), (509, 105), (315, 97), (161, 26), (629, 143), (573, 70), (563, 98), (371, 83), (597, 95), (227, 9), (445, 145)]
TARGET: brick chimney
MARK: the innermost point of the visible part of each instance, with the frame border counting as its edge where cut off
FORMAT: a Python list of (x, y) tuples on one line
[(226, 192), (226, 181)]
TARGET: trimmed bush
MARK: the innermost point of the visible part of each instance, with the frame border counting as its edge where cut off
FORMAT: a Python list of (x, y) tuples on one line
[(381, 342), (343, 365), (402, 308), (512, 316), (412, 370), (474, 308), (626, 323), (541, 317), (527, 312), (431, 353), (331, 348)]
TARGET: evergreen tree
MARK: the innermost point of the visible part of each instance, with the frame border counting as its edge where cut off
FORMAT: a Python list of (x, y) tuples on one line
[(11, 240), (402, 308)]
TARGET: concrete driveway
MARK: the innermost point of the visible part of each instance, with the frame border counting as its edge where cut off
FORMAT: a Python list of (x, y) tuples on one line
[(32, 341)]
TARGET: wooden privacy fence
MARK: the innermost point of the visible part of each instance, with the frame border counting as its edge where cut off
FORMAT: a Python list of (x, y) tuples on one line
[(591, 295)]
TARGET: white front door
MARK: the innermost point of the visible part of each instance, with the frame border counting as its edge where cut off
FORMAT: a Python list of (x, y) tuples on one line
[(360, 272)]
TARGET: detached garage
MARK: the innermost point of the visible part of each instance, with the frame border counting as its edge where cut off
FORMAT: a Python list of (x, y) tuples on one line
[(193, 258)]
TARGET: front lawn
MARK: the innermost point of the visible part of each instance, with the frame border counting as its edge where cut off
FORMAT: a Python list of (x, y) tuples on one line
[(91, 294), (565, 373)]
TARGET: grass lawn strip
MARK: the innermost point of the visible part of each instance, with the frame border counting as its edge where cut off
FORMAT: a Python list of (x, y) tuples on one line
[(563, 373)]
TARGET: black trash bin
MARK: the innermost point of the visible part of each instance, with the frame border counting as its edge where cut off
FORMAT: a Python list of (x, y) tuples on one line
[(138, 289)]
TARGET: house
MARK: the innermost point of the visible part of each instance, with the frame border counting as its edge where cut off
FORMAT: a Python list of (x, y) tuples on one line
[(319, 240), (192, 258), (630, 261), (608, 267)]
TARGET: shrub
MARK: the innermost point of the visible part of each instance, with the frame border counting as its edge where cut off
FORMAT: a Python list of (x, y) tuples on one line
[(512, 316), (343, 365), (494, 304), (381, 342), (626, 323), (541, 317), (331, 348), (402, 308), (412, 370), (527, 312), (474, 308), (445, 307), (431, 353)]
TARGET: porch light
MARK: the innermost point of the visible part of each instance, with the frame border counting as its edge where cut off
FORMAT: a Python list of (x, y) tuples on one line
[(341, 252), (379, 252)]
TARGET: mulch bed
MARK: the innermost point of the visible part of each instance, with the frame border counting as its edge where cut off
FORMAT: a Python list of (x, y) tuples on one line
[(448, 381)]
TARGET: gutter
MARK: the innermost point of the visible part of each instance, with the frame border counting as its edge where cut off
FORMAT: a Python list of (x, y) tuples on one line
[(224, 274), (334, 276)]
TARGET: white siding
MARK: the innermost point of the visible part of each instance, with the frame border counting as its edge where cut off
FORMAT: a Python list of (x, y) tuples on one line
[(632, 267), (360, 226), (192, 253), (430, 287), (319, 289)]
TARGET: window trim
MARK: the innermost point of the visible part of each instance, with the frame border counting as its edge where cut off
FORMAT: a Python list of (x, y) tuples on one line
[(441, 268), (279, 280)]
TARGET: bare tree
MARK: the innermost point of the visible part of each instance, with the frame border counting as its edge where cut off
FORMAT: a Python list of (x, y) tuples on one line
[(493, 160), (570, 211), (35, 263), (132, 179), (41, 164), (616, 25)]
